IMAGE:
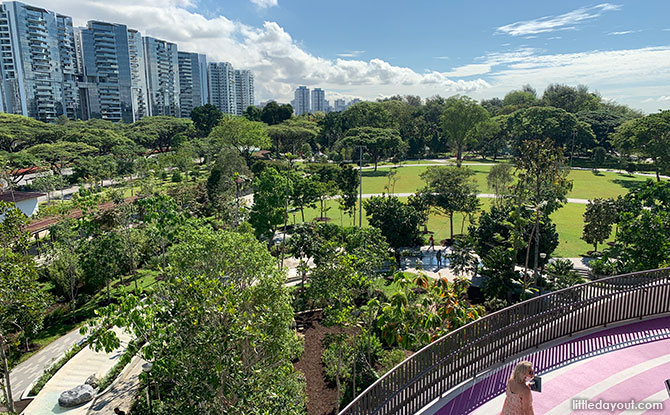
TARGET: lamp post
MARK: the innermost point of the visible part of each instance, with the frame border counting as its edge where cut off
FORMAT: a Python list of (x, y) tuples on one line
[(146, 368)]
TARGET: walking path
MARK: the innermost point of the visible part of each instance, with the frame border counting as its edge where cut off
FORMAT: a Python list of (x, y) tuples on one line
[(480, 195), (27, 372), (122, 394), (74, 373)]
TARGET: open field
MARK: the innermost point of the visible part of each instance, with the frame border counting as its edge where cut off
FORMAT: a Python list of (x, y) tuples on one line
[(587, 184), (569, 224)]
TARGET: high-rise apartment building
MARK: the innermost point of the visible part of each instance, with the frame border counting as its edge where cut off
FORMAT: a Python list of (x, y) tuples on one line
[(318, 100), (244, 89), (37, 70), (339, 105), (301, 100), (162, 69), (193, 89), (221, 79), (138, 75), (105, 86)]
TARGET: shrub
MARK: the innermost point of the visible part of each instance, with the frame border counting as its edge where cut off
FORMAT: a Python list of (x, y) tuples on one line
[(176, 177)]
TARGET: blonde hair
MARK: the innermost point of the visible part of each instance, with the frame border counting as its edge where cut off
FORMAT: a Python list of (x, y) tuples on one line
[(521, 370)]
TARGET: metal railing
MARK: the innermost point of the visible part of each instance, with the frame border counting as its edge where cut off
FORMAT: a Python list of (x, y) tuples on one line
[(485, 343)]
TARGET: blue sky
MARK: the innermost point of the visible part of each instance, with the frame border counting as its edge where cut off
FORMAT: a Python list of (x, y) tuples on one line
[(371, 49)]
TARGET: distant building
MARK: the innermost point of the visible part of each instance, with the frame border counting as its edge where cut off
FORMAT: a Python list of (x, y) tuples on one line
[(244, 89), (340, 105), (353, 102), (193, 89), (162, 69), (221, 79), (37, 75), (105, 87), (138, 75), (301, 101), (318, 100)]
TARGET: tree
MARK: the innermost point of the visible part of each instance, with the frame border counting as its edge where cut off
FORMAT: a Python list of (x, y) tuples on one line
[(291, 134), (520, 99), (102, 139), (648, 137), (604, 123), (499, 179), (399, 222), (643, 229), (571, 99), (22, 301), (103, 258), (18, 132), (229, 175), (244, 135), (159, 133), (558, 125), (268, 210), (61, 154), (379, 142), (219, 328), (490, 137), (274, 113), (461, 115), (599, 217), (542, 185), (304, 192), (450, 189), (347, 183), (15, 166), (205, 117), (163, 220), (63, 259), (253, 113)]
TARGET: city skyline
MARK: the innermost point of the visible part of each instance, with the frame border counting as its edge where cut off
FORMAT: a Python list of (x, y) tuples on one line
[(619, 49), (106, 70)]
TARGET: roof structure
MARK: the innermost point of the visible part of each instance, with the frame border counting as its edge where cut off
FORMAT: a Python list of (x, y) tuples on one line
[(19, 196)]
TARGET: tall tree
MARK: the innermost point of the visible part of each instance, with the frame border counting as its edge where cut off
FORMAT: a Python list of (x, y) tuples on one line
[(159, 133), (205, 117), (378, 142), (218, 329), (253, 113), (599, 216), (399, 222), (461, 115), (270, 197), (500, 179), (274, 113), (451, 190), (570, 98), (542, 185), (244, 135), (648, 137)]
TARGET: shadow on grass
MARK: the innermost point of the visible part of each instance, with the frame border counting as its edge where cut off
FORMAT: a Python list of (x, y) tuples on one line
[(627, 183), (378, 173)]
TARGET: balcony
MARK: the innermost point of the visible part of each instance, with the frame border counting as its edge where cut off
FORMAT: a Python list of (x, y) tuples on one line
[(462, 371)]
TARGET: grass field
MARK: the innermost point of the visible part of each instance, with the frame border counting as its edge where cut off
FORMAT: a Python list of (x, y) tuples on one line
[(586, 183), (569, 224)]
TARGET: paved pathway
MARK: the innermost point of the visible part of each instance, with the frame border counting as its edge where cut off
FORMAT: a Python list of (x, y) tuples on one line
[(27, 372), (74, 373), (122, 394)]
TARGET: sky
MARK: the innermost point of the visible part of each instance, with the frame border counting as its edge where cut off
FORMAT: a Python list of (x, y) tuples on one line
[(376, 48)]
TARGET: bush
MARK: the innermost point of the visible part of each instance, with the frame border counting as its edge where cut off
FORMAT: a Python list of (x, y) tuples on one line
[(561, 274), (176, 177), (390, 359)]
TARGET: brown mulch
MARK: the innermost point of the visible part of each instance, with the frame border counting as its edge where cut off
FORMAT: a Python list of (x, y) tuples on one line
[(321, 397)]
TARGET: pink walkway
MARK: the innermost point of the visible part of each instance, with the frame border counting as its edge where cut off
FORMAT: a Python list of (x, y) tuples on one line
[(618, 365)]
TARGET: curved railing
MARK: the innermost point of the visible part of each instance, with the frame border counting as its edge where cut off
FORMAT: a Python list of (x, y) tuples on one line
[(489, 341)]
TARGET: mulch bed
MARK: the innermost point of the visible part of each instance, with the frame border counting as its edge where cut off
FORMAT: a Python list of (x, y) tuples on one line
[(321, 397), (19, 406)]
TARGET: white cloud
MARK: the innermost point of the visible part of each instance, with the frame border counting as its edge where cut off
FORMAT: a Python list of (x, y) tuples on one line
[(625, 32), (351, 53), (565, 21), (277, 60), (441, 57), (664, 98), (265, 3), (469, 70)]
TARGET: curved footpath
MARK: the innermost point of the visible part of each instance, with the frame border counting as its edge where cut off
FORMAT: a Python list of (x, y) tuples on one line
[(74, 373), (23, 375)]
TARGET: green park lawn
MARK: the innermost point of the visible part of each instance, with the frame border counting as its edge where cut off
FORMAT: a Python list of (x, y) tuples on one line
[(586, 183), (569, 224)]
